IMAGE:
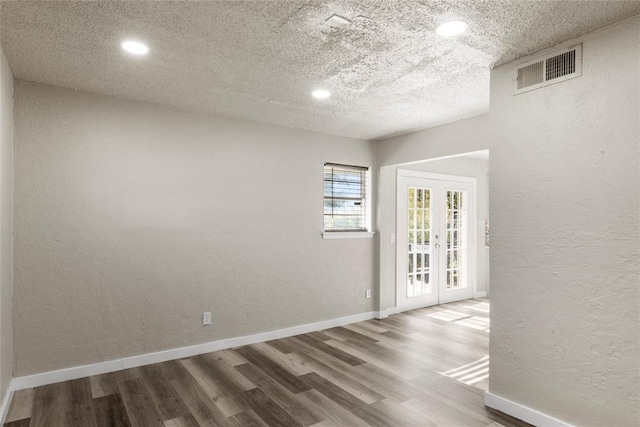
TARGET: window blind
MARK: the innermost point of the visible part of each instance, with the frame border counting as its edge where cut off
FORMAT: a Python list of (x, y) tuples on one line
[(345, 197)]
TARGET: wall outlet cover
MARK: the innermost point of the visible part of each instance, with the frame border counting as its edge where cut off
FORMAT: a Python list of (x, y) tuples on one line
[(206, 318)]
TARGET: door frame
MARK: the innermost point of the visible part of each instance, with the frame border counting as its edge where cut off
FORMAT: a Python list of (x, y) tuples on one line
[(473, 248)]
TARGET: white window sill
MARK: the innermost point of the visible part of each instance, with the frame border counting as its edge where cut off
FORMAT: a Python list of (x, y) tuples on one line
[(348, 235)]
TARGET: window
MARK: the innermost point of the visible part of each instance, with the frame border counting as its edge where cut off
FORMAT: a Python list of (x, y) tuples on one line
[(345, 199)]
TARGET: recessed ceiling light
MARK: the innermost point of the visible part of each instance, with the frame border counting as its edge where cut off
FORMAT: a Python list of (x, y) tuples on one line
[(135, 48), (321, 94), (452, 28)]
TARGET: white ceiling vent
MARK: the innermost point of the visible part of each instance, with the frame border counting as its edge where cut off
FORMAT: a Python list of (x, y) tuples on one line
[(554, 68)]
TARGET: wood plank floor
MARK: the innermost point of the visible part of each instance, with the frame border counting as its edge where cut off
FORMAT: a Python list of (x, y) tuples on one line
[(426, 367)]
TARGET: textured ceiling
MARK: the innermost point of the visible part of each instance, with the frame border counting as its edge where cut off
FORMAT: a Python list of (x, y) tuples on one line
[(388, 70)]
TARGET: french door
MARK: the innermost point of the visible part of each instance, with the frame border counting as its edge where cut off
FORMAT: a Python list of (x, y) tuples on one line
[(435, 252)]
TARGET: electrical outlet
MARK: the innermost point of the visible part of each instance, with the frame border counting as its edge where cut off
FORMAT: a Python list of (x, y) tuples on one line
[(206, 318), (367, 293)]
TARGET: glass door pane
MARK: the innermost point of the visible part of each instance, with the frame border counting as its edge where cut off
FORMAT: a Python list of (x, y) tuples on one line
[(419, 242), (457, 245)]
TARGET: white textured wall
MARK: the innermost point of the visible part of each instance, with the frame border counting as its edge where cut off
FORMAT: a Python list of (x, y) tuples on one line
[(459, 137), (565, 327), (132, 219), (6, 225), (387, 218)]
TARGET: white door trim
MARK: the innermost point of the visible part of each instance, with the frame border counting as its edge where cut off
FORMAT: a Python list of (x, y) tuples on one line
[(473, 250), (436, 176)]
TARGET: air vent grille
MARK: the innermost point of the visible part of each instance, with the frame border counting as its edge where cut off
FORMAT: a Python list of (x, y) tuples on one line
[(530, 75), (560, 65), (552, 69)]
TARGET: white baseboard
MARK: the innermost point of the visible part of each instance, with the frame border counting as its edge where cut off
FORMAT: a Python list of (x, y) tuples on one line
[(76, 372), (4, 409), (395, 310), (382, 314), (522, 412), (387, 312)]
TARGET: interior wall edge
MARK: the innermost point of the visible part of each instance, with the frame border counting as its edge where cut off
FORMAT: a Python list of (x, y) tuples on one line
[(8, 396), (7, 357)]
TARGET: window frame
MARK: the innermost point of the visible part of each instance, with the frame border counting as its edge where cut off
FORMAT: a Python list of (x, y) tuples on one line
[(366, 209)]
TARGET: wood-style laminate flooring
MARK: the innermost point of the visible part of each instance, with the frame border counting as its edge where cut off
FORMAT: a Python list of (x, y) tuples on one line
[(425, 367)]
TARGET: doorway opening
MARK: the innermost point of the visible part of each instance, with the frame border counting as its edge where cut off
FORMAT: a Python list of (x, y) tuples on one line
[(441, 250)]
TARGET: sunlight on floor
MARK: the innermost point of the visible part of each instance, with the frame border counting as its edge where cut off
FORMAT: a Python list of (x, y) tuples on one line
[(464, 319), (475, 373)]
